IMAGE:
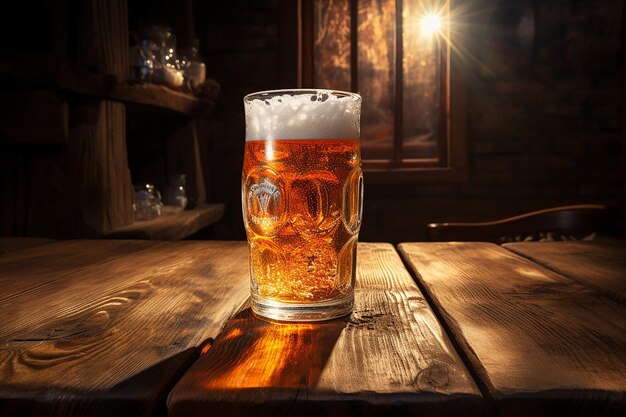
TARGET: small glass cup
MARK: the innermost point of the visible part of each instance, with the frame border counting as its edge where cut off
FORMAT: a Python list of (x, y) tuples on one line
[(148, 204), (302, 196), (177, 193)]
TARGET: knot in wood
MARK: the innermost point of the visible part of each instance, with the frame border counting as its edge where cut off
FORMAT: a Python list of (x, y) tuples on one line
[(433, 377), (368, 319)]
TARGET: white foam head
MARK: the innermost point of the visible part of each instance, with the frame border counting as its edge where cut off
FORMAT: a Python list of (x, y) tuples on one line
[(304, 114)]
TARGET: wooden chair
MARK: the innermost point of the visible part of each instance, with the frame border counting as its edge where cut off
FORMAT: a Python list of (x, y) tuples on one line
[(574, 222)]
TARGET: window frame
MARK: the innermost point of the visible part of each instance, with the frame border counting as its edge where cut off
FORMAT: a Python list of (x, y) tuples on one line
[(451, 164)]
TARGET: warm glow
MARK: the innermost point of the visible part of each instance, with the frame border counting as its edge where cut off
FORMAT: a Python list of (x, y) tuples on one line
[(431, 24), (205, 348), (272, 350)]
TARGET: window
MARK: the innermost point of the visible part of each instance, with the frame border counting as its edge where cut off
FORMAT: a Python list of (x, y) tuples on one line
[(396, 55)]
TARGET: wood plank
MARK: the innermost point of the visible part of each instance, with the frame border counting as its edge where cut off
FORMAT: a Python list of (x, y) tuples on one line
[(97, 149), (390, 356), (148, 95), (88, 189), (11, 244), (43, 71), (97, 164), (103, 48), (172, 226), (599, 264), (110, 338), (40, 267), (540, 343)]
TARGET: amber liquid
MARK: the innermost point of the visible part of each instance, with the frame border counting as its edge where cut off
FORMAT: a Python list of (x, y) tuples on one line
[(302, 212)]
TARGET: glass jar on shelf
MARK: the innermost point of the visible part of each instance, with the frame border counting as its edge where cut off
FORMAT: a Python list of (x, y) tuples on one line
[(194, 68), (177, 192), (141, 61), (162, 45), (148, 203)]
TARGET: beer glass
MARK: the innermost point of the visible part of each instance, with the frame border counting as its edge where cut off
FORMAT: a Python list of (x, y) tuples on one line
[(302, 197)]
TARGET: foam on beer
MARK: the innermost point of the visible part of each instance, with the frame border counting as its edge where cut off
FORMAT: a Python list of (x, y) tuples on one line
[(320, 115)]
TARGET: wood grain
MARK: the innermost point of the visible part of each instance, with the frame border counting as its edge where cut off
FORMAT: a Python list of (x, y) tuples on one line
[(84, 189), (105, 327), (97, 148), (389, 357), (107, 86), (150, 96), (601, 264), (101, 171), (171, 227), (540, 343)]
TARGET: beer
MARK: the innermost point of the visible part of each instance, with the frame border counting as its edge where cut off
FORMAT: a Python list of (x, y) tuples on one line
[(302, 198)]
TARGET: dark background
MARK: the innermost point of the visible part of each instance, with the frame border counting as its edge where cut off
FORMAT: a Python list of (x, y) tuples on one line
[(545, 119), (541, 133)]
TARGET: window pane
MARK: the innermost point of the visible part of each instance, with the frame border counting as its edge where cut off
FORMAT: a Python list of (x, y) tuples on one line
[(376, 66), (331, 48), (420, 85), (375, 60)]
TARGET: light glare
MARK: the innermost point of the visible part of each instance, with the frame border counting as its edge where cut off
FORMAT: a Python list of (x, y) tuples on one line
[(430, 24)]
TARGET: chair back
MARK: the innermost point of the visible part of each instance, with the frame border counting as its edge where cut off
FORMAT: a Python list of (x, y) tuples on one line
[(574, 222)]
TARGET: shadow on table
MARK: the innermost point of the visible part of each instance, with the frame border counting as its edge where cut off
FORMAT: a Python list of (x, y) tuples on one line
[(253, 353), (143, 394)]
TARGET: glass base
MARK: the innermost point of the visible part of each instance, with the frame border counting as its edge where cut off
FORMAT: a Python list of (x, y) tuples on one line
[(326, 310)]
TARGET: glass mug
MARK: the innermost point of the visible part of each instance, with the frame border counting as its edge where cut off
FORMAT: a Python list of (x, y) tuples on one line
[(302, 198)]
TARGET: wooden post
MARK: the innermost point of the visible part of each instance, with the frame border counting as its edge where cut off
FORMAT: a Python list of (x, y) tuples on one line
[(97, 147)]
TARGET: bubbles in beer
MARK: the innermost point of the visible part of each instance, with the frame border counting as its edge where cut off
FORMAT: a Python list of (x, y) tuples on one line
[(267, 267), (308, 254), (313, 269), (315, 212), (310, 272)]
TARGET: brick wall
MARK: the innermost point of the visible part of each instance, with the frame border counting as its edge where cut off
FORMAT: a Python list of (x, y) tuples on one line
[(541, 133)]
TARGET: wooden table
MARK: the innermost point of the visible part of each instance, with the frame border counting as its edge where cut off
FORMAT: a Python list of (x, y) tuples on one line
[(148, 328), (106, 327), (539, 343), (601, 265)]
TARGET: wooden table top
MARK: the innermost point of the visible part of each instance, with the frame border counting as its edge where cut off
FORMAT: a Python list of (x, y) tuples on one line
[(390, 357), (539, 343), (601, 264), (105, 327), (146, 328)]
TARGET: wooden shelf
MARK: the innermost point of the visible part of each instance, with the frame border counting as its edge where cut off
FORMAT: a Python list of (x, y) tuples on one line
[(175, 226), (70, 79), (146, 95)]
